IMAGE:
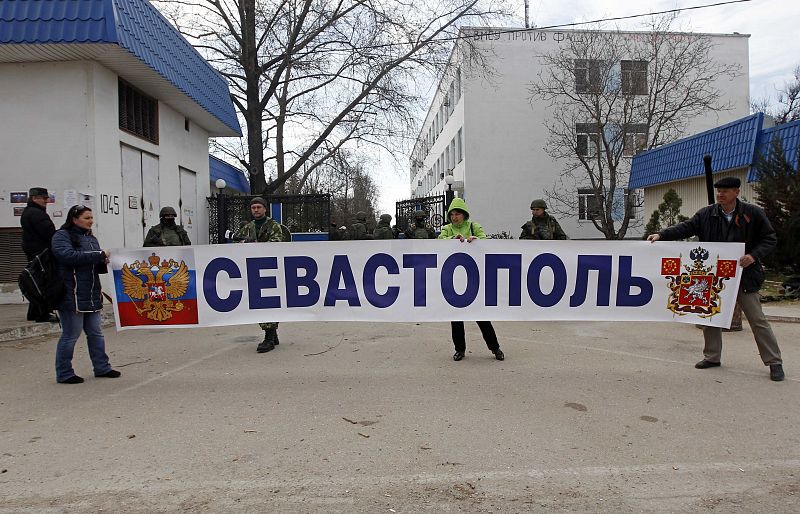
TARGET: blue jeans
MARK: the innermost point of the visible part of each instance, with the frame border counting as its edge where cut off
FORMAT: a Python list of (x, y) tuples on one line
[(71, 325)]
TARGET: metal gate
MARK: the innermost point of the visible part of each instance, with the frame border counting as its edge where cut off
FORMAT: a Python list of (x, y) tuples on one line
[(307, 216), (435, 206)]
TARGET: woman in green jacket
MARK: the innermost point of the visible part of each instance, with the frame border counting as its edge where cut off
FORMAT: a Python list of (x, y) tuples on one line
[(461, 228)]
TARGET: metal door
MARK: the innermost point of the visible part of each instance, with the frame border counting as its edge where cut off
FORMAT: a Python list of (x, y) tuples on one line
[(188, 203), (140, 194)]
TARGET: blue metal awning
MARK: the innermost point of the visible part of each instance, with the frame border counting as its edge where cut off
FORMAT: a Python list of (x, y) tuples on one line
[(132, 25), (234, 177)]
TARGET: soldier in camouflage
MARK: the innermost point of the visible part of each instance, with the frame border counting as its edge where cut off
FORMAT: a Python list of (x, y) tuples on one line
[(358, 230), (420, 229), (167, 233), (262, 229), (542, 225), (384, 228)]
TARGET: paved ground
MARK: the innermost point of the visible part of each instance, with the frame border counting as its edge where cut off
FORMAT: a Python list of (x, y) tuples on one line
[(359, 417)]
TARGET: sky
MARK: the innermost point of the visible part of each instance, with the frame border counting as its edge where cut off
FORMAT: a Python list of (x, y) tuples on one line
[(774, 48)]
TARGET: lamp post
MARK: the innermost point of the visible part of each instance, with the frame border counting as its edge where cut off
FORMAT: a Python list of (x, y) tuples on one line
[(448, 195), (222, 216)]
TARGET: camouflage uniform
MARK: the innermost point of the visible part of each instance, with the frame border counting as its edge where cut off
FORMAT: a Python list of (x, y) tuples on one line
[(384, 228), (358, 230), (542, 227), (419, 229), (270, 232), (167, 233)]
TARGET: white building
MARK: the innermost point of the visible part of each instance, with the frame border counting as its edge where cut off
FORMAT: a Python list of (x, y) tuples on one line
[(105, 104), (490, 134)]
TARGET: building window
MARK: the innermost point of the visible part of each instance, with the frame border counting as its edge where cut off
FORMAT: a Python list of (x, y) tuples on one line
[(634, 77), (587, 142), (588, 205), (587, 76), (138, 113), (635, 139)]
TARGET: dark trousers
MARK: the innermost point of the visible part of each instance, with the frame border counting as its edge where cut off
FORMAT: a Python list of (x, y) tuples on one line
[(36, 313), (487, 330)]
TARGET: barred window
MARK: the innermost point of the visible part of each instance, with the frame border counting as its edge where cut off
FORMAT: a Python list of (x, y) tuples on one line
[(138, 113)]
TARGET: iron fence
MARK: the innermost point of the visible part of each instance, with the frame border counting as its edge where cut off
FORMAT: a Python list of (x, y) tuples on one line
[(300, 213), (434, 206)]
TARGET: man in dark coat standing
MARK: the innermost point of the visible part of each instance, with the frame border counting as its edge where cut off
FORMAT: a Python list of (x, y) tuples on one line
[(731, 220), (37, 231)]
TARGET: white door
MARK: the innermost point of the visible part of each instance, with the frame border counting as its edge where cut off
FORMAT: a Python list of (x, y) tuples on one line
[(140, 196), (188, 203), (151, 197)]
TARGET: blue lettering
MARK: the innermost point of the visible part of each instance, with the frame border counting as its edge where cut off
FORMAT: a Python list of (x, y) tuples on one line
[(380, 260), (473, 280), (601, 264), (625, 282), (341, 270), (551, 261), (210, 285), (420, 263), (255, 283), (294, 281), (513, 263)]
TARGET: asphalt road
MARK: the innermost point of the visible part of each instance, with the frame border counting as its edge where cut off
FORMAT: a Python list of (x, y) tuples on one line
[(358, 417)]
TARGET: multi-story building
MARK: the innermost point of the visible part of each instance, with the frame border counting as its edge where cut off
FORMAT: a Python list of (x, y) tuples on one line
[(486, 129)]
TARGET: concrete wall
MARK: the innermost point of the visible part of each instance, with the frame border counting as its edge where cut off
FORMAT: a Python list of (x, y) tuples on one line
[(505, 134)]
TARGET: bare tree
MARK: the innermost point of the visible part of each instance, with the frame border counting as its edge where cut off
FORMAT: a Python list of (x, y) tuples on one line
[(312, 77), (613, 94), (787, 99)]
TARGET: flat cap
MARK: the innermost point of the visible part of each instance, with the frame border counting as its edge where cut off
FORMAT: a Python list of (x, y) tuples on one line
[(727, 183)]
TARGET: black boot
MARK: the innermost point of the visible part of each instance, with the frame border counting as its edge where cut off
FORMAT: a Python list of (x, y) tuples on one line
[(268, 343), (277, 342)]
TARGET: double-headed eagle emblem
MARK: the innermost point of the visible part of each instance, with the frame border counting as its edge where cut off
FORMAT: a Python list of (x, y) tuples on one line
[(697, 289), (157, 285)]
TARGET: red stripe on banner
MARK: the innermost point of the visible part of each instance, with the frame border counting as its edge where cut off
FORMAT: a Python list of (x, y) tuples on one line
[(129, 317)]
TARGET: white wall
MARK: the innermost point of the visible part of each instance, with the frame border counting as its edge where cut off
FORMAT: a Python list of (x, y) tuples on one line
[(61, 131), (506, 165), (65, 136)]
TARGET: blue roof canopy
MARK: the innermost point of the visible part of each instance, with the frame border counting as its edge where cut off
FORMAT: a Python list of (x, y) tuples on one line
[(730, 146), (133, 25), (233, 176)]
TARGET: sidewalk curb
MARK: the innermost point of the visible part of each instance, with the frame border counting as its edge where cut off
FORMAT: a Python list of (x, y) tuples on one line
[(42, 329), (782, 319)]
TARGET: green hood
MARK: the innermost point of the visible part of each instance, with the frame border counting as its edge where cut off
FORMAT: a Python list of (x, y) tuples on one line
[(460, 204)]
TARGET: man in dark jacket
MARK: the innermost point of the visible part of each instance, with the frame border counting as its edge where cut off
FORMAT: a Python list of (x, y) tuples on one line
[(37, 231), (731, 220)]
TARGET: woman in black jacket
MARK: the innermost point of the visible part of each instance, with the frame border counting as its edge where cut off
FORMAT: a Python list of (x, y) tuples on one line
[(80, 261)]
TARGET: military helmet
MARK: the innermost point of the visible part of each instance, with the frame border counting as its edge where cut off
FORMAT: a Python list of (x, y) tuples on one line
[(538, 204), (167, 211), (387, 218), (361, 216), (420, 214)]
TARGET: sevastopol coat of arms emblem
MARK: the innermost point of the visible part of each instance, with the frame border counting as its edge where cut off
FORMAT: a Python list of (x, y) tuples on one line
[(696, 289)]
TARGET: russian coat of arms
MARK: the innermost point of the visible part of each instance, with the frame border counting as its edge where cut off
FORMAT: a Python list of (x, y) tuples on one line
[(157, 284), (696, 289)]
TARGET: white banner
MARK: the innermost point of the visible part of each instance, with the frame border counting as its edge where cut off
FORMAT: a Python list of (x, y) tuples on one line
[(426, 280)]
